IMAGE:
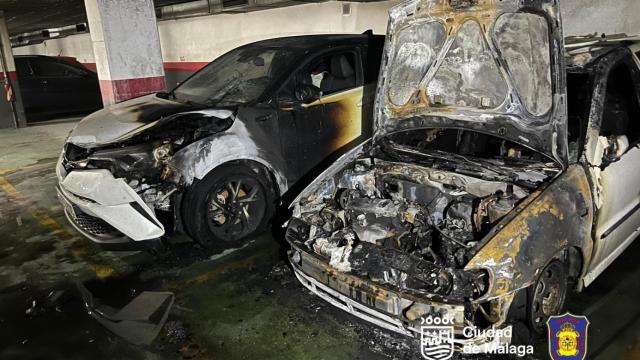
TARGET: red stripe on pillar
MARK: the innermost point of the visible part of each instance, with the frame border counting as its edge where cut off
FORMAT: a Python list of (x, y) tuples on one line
[(184, 66), (120, 90), (12, 75), (90, 66), (106, 90)]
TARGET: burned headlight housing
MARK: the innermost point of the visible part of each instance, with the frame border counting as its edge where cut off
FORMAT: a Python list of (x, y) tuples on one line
[(479, 281), (297, 231), (129, 162)]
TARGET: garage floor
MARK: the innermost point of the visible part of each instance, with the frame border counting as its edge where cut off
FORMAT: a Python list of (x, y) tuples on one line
[(241, 304)]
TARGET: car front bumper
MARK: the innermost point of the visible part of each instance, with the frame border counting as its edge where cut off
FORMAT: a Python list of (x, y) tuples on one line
[(382, 307), (105, 209)]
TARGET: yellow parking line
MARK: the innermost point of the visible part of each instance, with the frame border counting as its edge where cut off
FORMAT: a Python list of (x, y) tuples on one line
[(40, 215), (102, 271)]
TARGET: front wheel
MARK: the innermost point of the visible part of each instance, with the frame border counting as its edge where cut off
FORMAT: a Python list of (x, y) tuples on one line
[(532, 307), (228, 206), (548, 294)]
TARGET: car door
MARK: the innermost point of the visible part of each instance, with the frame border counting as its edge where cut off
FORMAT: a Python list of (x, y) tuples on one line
[(614, 154), (68, 88), (31, 89), (371, 60), (324, 102), (342, 98), (299, 117)]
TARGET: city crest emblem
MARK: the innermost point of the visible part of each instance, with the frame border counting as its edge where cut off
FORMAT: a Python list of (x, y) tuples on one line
[(568, 337), (436, 342)]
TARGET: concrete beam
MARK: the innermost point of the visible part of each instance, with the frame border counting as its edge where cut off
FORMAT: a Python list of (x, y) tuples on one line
[(126, 47), (11, 109)]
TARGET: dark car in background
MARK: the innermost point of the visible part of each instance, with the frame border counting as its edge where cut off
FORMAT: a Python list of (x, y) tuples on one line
[(212, 156), (53, 86)]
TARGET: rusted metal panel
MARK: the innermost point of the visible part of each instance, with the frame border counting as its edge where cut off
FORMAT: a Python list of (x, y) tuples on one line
[(447, 46), (558, 218)]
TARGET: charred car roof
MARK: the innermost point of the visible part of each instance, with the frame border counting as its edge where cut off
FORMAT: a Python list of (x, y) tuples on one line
[(312, 41)]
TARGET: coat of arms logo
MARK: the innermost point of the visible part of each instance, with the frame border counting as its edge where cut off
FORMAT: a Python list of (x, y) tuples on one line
[(568, 337), (436, 341)]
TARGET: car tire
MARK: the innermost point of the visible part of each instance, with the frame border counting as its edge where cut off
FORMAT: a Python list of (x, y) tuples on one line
[(532, 307), (231, 204)]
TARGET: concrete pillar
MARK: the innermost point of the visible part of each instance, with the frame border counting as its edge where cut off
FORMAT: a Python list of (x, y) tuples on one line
[(126, 46), (11, 109)]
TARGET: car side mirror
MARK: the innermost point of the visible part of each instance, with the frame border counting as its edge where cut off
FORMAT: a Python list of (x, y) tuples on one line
[(308, 93), (617, 146)]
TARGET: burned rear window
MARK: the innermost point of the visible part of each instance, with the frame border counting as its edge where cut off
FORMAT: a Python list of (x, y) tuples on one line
[(418, 46), (523, 41)]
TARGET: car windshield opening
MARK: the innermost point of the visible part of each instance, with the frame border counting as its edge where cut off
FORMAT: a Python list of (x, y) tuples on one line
[(238, 77), (471, 153)]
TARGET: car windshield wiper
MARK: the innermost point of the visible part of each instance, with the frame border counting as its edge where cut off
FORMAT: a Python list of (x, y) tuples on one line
[(187, 101)]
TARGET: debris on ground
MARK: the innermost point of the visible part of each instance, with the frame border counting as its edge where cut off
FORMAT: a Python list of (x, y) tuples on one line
[(138, 322), (176, 332), (281, 272), (192, 350), (52, 301)]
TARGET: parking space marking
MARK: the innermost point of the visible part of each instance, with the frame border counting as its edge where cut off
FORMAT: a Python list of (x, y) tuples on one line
[(42, 217), (101, 271)]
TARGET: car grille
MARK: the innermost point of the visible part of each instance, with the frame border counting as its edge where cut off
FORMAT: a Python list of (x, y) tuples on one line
[(95, 226)]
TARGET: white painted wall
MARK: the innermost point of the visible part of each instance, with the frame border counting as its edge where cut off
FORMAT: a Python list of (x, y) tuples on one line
[(583, 17), (78, 46), (204, 38)]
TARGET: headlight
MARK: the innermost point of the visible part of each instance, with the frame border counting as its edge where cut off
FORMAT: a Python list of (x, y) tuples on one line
[(297, 231), (136, 160), (480, 279), (468, 284), (162, 153)]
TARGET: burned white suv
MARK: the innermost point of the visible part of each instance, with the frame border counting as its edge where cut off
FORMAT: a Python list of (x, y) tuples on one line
[(214, 155), (487, 191)]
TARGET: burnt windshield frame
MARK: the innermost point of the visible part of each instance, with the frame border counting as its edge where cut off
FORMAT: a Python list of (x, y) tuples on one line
[(386, 137), (294, 57)]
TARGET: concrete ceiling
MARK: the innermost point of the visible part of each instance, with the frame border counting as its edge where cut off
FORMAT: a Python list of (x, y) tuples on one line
[(33, 15)]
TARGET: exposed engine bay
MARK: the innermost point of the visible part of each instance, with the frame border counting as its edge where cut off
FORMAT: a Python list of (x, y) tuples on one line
[(146, 160), (412, 226)]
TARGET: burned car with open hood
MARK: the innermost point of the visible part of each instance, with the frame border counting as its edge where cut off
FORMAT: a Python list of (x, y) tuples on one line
[(487, 192), (212, 156)]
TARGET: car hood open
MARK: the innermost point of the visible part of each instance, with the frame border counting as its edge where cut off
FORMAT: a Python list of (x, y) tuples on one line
[(485, 65)]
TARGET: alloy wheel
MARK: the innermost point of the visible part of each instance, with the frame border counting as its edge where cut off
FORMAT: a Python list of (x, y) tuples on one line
[(236, 207)]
